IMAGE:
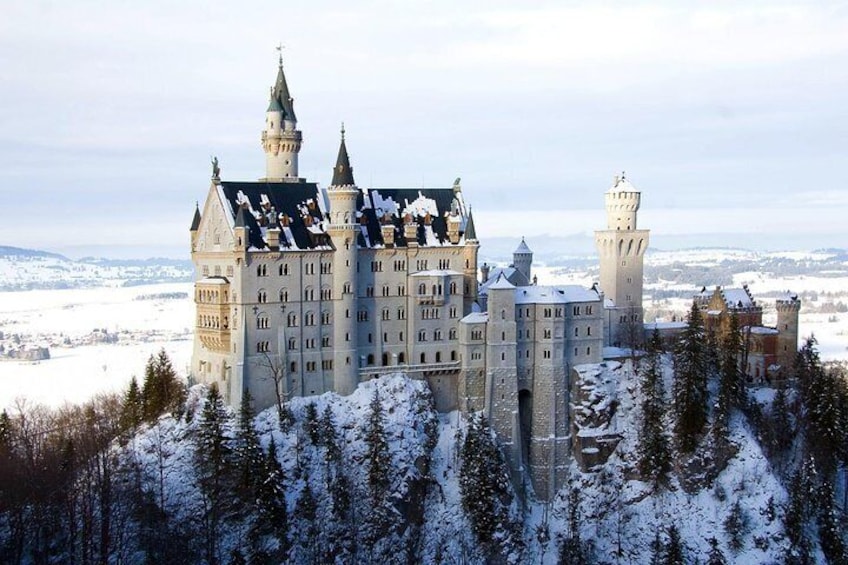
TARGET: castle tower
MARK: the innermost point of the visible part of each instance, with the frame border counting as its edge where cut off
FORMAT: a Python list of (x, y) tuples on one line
[(281, 139), (501, 371), (522, 259), (472, 246), (343, 230), (621, 248), (788, 308)]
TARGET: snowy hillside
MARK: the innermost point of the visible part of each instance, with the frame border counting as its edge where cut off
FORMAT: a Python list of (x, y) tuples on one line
[(619, 515)]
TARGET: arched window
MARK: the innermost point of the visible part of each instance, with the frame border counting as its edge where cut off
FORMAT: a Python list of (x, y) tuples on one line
[(370, 359), (423, 357), (261, 297), (453, 355), (284, 295), (438, 356), (401, 357), (385, 359)]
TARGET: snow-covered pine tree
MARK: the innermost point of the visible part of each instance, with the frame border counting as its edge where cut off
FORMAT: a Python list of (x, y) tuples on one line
[(485, 488), (736, 526), (214, 470), (248, 455), (830, 530), (377, 525), (132, 407), (653, 449), (781, 429), (162, 391), (689, 399), (799, 509), (716, 555), (310, 423), (673, 552), (306, 511), (272, 519)]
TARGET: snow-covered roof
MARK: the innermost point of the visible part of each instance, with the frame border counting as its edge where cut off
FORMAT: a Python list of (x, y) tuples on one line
[(622, 184), (665, 325), (501, 283), (738, 298), (436, 273), (512, 274), (213, 280), (554, 294), (475, 318), (522, 247), (762, 330)]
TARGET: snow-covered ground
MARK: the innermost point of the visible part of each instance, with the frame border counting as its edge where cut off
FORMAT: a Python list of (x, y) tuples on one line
[(80, 366)]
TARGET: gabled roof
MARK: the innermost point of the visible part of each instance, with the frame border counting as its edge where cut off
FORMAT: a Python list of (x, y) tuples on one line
[(555, 294), (512, 274), (501, 283)]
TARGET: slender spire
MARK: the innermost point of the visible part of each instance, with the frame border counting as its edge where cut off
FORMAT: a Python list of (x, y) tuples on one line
[(470, 233), (240, 221), (343, 172), (280, 93), (195, 222)]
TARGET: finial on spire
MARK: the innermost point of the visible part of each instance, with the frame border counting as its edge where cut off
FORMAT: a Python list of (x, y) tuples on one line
[(343, 131), (279, 49), (623, 176)]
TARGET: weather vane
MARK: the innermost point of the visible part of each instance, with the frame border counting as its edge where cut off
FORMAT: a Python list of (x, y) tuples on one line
[(279, 49)]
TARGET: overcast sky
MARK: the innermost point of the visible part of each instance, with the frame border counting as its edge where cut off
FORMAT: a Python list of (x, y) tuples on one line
[(729, 119)]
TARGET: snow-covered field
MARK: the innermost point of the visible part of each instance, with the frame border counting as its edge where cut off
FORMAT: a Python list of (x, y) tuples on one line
[(72, 323)]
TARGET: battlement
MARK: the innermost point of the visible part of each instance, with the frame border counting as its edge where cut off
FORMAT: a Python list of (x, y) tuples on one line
[(789, 303)]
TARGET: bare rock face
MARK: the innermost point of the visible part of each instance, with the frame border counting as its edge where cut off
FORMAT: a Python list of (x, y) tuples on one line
[(593, 408)]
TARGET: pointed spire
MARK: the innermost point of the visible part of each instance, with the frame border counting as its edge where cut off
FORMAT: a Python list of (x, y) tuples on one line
[(240, 221), (343, 172), (280, 93), (195, 223), (470, 233)]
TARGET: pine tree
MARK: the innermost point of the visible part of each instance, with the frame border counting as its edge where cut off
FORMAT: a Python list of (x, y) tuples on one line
[(271, 500), (572, 549), (799, 510), (653, 448), (306, 511), (484, 486), (310, 424), (690, 384), (214, 469), (730, 390), (132, 407), (379, 459), (248, 455), (162, 389), (830, 532), (781, 425), (736, 526), (716, 556), (657, 549), (673, 553)]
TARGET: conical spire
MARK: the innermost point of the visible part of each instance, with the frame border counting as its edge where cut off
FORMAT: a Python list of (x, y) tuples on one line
[(195, 222), (343, 172), (240, 221), (281, 94), (470, 233)]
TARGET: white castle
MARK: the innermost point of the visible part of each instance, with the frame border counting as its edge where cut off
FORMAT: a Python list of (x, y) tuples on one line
[(302, 290)]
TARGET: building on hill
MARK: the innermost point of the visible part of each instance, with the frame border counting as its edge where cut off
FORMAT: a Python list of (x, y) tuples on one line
[(302, 290), (768, 351)]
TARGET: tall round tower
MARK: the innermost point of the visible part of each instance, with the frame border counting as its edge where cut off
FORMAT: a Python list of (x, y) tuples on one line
[(788, 308), (281, 140), (343, 230), (621, 249)]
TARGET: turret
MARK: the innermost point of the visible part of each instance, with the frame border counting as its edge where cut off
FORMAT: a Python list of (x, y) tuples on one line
[(195, 225), (281, 140), (522, 259), (343, 230), (788, 308), (621, 249)]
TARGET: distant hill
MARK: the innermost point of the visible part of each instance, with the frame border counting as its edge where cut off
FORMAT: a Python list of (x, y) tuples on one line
[(9, 251), (31, 269)]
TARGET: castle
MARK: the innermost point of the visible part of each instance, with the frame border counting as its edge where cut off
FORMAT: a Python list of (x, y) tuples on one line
[(302, 290)]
